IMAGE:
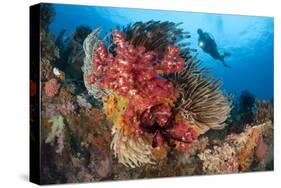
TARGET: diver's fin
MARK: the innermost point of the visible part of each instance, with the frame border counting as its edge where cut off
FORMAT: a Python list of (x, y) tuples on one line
[(222, 60), (226, 65), (226, 54)]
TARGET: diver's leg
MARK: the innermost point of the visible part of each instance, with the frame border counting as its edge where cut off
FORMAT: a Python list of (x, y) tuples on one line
[(225, 64)]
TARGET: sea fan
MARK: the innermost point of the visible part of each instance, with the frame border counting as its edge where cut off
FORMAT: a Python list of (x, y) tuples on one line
[(199, 99)]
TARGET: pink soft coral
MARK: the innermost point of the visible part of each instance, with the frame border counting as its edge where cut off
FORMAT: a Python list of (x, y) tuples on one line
[(131, 68), (52, 87)]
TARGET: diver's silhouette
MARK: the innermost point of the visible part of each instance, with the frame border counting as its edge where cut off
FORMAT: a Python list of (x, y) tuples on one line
[(208, 45)]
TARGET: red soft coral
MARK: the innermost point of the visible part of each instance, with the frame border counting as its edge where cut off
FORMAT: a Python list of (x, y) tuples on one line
[(185, 133), (160, 120)]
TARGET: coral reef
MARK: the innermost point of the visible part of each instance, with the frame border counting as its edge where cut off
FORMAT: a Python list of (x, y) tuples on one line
[(131, 71), (85, 155), (138, 104), (240, 151)]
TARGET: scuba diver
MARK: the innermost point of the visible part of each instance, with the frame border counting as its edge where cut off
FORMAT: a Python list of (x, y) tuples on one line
[(207, 43)]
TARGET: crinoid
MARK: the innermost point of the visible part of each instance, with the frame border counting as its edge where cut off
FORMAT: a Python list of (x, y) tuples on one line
[(89, 45), (156, 36), (199, 99)]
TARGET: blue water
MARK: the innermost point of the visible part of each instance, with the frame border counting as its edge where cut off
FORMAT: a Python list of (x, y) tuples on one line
[(249, 39)]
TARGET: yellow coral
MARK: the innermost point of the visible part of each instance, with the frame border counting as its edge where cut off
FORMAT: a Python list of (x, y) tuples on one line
[(114, 106)]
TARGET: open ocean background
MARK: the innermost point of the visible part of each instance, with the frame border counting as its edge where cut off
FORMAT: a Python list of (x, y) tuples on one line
[(249, 39)]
